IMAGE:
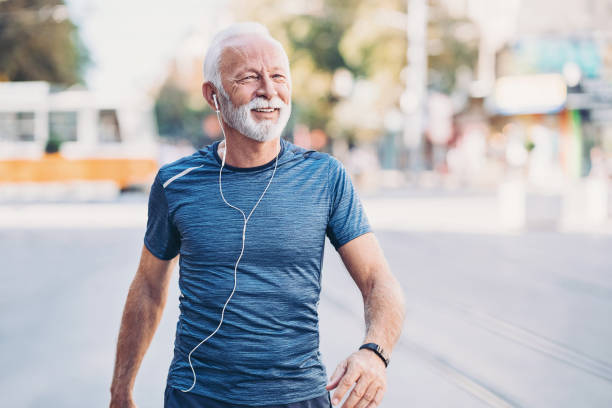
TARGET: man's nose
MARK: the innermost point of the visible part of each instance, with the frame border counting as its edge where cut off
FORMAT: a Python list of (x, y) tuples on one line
[(266, 88)]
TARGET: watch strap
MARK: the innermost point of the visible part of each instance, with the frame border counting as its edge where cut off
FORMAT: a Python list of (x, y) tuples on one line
[(378, 351)]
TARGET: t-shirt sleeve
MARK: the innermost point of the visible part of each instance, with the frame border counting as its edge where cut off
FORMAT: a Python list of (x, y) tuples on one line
[(347, 219), (162, 238)]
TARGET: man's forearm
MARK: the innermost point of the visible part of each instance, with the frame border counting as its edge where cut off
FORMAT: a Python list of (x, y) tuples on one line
[(384, 317), (384, 309), (141, 316)]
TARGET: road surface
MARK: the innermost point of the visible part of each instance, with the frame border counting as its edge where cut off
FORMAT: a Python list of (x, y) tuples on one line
[(494, 319)]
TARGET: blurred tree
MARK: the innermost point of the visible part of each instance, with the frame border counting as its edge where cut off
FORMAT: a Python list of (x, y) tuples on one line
[(452, 45), (347, 57), (345, 60), (38, 42), (176, 119)]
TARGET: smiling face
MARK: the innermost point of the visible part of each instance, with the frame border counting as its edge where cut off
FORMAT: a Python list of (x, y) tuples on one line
[(255, 78)]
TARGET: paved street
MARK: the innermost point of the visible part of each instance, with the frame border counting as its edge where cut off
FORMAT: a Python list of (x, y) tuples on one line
[(494, 320)]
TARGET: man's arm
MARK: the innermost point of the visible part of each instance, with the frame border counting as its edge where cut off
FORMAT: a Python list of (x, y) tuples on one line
[(143, 310), (384, 308)]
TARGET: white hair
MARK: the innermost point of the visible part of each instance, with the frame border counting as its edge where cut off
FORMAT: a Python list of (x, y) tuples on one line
[(213, 55)]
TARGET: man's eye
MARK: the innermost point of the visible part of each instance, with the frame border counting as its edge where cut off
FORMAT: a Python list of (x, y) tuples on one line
[(250, 77)]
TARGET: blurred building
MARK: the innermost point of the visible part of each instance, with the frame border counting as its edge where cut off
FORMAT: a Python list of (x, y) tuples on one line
[(554, 83), (74, 135), (541, 100)]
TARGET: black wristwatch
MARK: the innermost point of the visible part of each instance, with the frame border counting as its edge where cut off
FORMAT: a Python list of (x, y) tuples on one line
[(378, 350)]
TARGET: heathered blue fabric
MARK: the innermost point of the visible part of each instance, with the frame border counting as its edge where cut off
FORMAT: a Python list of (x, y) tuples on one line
[(174, 398), (267, 350)]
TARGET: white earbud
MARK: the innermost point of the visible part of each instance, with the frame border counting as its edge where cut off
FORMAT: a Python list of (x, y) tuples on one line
[(216, 103)]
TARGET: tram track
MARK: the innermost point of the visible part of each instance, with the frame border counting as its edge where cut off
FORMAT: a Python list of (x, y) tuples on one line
[(527, 338), (476, 387)]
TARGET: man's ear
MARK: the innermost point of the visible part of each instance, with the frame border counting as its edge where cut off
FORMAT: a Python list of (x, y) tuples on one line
[(208, 90)]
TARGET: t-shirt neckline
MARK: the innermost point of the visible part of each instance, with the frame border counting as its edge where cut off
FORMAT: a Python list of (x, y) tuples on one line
[(215, 145)]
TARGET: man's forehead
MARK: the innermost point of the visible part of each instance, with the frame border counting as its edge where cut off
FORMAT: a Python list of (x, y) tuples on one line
[(243, 49)]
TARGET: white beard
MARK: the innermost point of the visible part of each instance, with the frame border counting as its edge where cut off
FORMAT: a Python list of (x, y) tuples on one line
[(240, 117)]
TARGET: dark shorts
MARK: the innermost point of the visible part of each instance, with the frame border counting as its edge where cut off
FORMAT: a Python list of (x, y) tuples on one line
[(174, 398)]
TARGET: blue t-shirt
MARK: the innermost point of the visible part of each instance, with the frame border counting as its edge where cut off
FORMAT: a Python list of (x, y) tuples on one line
[(267, 349)]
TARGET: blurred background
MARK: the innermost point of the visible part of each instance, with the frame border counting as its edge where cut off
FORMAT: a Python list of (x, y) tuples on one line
[(478, 132)]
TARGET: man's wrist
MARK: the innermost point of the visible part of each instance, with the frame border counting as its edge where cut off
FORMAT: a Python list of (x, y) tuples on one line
[(120, 392), (121, 395), (378, 350)]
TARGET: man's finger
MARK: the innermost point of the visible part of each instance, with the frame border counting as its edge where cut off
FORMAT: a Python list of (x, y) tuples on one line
[(346, 382), (335, 378), (368, 396), (377, 399), (359, 392)]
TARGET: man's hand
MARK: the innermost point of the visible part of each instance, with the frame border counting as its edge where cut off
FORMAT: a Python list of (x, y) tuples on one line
[(367, 370)]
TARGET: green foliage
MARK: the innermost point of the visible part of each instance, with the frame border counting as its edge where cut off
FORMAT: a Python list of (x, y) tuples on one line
[(53, 144), (452, 43), (319, 37), (322, 38), (39, 43), (175, 118)]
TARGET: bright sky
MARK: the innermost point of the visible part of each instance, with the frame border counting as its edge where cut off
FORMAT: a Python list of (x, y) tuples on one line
[(132, 41)]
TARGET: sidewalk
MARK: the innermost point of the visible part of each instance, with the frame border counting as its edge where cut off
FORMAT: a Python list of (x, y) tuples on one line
[(434, 212)]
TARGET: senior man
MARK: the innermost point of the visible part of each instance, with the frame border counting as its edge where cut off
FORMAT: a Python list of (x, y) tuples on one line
[(248, 217)]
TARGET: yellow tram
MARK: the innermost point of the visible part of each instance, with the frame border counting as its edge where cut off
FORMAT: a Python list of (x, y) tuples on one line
[(50, 137)]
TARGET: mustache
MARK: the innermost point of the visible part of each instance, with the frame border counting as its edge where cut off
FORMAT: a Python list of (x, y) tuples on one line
[(261, 103)]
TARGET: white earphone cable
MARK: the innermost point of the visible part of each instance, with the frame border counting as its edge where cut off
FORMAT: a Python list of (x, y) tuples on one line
[(246, 220)]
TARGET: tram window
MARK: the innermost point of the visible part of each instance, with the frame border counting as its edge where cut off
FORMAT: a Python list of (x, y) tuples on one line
[(108, 126), (63, 126), (17, 126)]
